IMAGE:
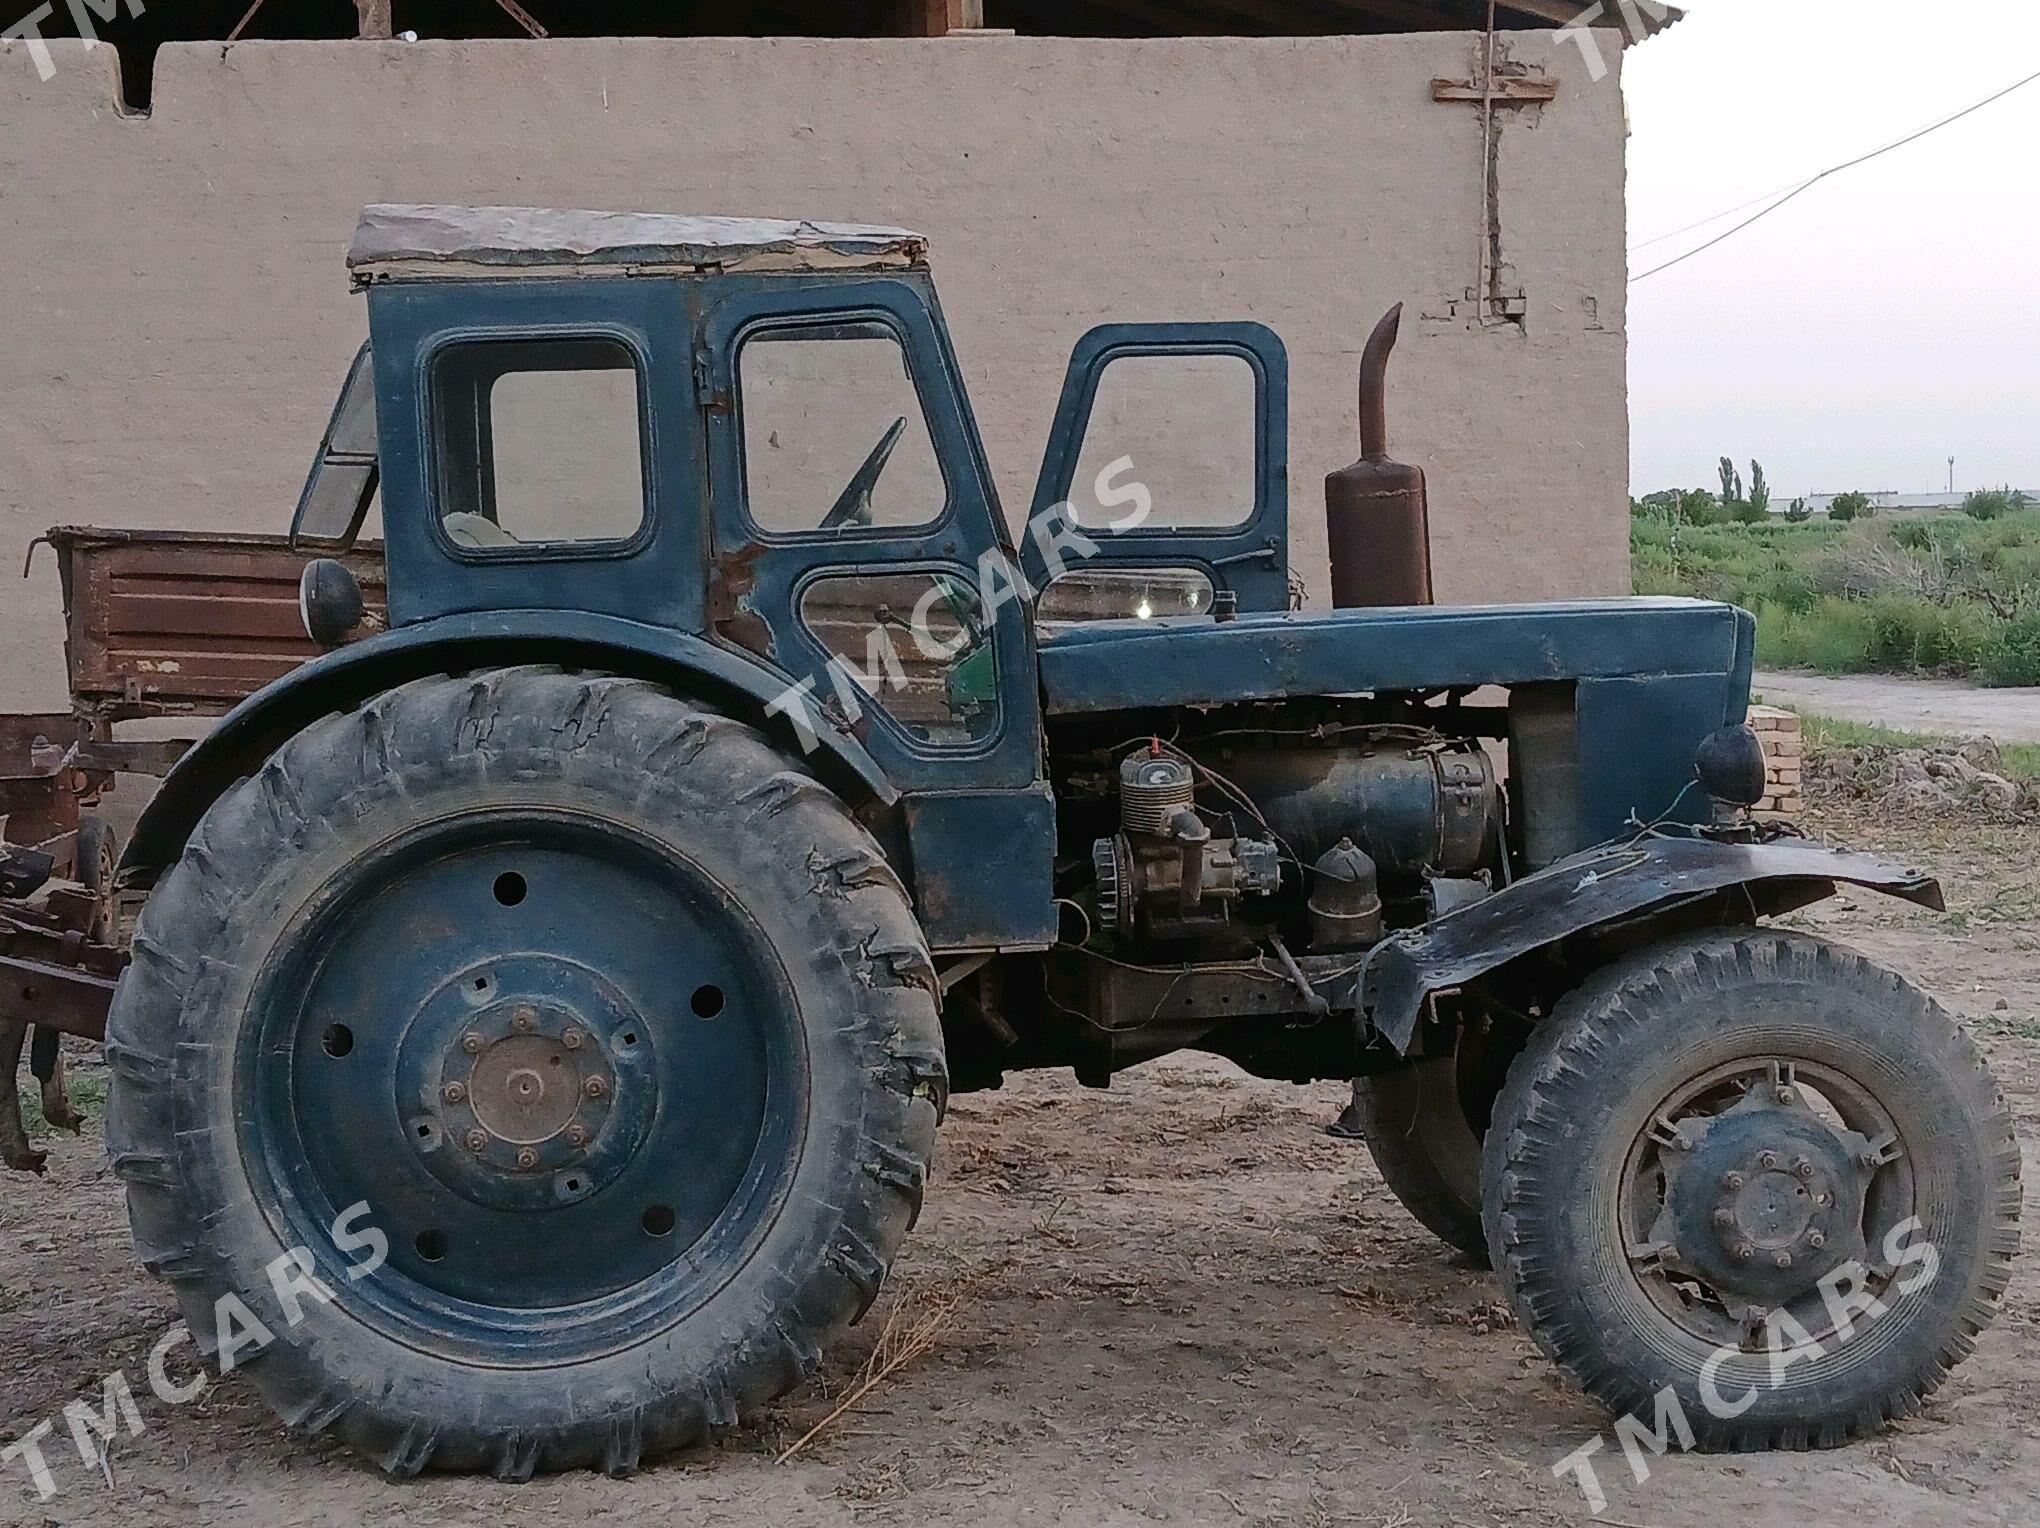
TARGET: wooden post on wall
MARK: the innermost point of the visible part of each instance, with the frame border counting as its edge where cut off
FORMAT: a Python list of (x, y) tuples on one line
[(938, 18), (374, 18)]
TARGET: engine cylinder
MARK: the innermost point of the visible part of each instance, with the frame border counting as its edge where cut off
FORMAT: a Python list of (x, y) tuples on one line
[(1153, 788), (1413, 810)]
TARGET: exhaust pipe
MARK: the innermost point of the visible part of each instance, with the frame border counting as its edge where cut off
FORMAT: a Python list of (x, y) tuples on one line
[(1377, 514)]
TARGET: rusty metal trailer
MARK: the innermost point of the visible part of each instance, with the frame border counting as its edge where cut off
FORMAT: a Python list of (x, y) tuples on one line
[(160, 627)]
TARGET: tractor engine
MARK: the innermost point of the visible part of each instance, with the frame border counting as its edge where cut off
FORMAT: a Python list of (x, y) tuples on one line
[(1333, 843), (1167, 874)]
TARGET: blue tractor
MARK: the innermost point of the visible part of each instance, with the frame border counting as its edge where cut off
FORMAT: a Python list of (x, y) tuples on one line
[(545, 1001)]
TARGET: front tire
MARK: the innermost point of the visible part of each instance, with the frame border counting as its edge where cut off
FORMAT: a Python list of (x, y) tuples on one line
[(615, 1019), (1714, 1151)]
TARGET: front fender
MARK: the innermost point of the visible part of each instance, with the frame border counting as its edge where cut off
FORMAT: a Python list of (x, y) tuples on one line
[(1602, 886), (341, 680)]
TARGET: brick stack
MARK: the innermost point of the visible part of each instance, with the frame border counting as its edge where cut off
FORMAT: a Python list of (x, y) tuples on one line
[(1784, 759)]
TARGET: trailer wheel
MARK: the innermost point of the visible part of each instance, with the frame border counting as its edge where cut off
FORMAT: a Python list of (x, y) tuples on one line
[(526, 1072), (98, 857), (1752, 1191), (1424, 1124)]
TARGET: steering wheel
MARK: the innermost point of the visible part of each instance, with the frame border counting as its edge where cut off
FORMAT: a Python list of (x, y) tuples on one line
[(854, 507)]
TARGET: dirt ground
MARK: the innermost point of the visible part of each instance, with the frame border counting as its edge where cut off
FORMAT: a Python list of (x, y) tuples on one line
[(1175, 1302)]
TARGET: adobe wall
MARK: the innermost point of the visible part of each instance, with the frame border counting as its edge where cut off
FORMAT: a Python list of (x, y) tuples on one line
[(178, 320)]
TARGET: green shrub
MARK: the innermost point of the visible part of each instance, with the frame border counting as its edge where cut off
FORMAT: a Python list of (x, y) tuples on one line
[(1988, 504), (2012, 660), (1835, 637), (1911, 635), (1853, 505)]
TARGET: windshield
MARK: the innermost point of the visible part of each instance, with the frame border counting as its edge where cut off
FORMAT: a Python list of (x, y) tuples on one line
[(346, 471)]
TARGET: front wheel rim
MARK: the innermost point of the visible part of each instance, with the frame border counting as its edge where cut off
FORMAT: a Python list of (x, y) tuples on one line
[(1749, 1186)]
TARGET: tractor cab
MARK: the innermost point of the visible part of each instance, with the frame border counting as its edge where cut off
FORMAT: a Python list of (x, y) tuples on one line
[(751, 439)]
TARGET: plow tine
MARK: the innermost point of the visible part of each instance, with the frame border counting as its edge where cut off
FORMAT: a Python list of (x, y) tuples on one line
[(15, 1152), (46, 1061)]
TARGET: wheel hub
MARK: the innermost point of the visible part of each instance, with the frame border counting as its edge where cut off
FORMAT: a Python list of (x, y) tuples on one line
[(531, 1081), (1764, 1199), (526, 1076)]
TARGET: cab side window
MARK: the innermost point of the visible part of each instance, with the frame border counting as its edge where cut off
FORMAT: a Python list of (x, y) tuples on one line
[(541, 444), (1185, 429), (835, 439)]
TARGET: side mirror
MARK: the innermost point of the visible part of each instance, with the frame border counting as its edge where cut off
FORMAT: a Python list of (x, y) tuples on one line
[(331, 605)]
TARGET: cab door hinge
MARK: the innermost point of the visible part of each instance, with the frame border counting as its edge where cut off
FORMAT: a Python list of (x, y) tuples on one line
[(706, 394)]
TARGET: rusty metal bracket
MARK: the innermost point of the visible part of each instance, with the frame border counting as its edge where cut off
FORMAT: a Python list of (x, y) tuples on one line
[(56, 980)]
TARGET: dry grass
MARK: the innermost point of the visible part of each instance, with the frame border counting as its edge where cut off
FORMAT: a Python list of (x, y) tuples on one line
[(914, 1328)]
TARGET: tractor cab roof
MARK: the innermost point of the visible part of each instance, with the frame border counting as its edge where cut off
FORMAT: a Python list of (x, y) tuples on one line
[(414, 242)]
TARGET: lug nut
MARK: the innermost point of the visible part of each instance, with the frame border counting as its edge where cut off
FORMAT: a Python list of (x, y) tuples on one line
[(453, 1092), (1816, 1239), (1767, 1160), (1785, 1095), (1724, 1219), (571, 1039), (472, 1044), (1866, 1158), (1823, 1200), (525, 1020), (527, 1159), (577, 1135), (477, 1140), (596, 1088), (1732, 1181), (1744, 1252), (1804, 1168), (1782, 1260)]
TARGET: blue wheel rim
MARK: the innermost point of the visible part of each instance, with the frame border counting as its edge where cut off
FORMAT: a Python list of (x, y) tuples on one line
[(428, 1036)]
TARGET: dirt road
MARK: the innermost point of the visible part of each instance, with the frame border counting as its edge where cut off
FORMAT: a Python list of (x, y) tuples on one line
[(1942, 706), (1180, 1302)]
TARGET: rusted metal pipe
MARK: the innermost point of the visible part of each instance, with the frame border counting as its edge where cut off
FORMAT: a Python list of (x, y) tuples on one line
[(1374, 385)]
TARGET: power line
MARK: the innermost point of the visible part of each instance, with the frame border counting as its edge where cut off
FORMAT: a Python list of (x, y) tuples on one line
[(1805, 186), (1726, 212)]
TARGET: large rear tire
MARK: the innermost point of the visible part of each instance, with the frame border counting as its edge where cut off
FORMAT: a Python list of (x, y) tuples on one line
[(615, 1020), (1753, 1181)]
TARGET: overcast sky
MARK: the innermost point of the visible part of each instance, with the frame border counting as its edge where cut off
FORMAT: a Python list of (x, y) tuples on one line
[(1890, 317)]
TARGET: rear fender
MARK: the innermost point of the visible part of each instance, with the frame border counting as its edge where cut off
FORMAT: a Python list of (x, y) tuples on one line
[(455, 644), (1612, 884)]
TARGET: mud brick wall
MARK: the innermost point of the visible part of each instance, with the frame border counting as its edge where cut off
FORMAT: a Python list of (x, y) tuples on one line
[(1784, 760)]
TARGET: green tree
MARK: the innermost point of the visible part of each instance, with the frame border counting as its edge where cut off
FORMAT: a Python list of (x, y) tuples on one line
[(1731, 481), (1797, 513), (1853, 505), (1760, 490)]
